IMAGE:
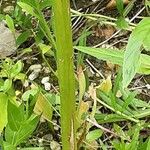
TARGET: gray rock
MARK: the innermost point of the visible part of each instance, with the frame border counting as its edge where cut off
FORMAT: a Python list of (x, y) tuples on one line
[(7, 41)]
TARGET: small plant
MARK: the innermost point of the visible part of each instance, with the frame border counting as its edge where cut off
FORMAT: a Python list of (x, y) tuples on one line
[(18, 125), (82, 108)]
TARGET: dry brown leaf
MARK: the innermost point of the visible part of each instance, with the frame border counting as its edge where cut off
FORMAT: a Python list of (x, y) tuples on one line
[(108, 31), (112, 3), (104, 31), (82, 82), (92, 92), (84, 107), (83, 110)]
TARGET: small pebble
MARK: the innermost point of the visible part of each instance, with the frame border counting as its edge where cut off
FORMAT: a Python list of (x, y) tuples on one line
[(97, 75), (55, 145), (33, 76), (45, 80), (8, 9), (35, 67), (47, 86), (148, 86), (26, 84), (46, 70), (56, 128)]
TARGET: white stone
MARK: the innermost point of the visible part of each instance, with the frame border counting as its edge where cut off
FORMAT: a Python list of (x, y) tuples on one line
[(148, 86), (55, 145), (33, 76), (26, 83), (45, 80), (47, 86), (35, 67)]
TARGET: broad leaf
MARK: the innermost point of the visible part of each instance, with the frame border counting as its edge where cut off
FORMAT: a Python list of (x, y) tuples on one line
[(16, 69), (8, 146), (28, 8), (3, 111), (10, 23), (7, 85), (94, 135), (146, 43), (25, 130), (15, 116), (131, 61), (23, 37)]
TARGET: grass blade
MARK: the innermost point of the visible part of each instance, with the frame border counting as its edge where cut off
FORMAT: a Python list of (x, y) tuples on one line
[(116, 57)]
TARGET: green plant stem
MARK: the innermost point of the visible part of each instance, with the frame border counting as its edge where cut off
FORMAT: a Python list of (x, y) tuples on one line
[(102, 18), (64, 47), (45, 29)]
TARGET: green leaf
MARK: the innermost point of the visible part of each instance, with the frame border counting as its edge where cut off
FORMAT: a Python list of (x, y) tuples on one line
[(146, 43), (134, 143), (33, 148), (148, 144), (144, 145), (45, 49), (8, 146), (131, 61), (107, 118), (7, 85), (10, 23), (120, 6), (16, 69), (10, 135), (3, 110), (147, 3), (119, 145), (103, 146), (128, 8), (128, 100), (20, 76), (121, 133), (26, 129), (93, 135), (45, 3), (27, 94), (122, 23), (15, 116), (115, 56), (27, 8), (35, 3), (23, 37)]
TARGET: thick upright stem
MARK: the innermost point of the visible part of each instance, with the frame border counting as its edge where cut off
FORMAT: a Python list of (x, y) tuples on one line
[(63, 34)]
